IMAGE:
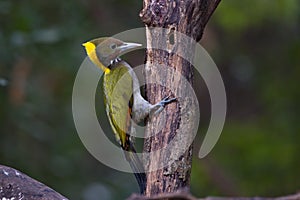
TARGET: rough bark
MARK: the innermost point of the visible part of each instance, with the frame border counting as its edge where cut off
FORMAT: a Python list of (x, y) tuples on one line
[(16, 185), (188, 17)]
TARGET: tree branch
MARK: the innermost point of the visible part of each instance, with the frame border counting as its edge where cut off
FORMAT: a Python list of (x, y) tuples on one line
[(16, 185)]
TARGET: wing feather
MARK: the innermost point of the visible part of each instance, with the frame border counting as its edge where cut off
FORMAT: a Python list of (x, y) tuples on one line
[(118, 86)]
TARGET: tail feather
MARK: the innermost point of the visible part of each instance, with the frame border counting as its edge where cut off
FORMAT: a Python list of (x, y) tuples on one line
[(137, 168)]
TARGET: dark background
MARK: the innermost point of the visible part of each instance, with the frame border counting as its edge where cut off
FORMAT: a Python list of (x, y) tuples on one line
[(255, 44)]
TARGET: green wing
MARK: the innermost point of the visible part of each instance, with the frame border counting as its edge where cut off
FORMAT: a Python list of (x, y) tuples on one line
[(118, 86), (118, 95)]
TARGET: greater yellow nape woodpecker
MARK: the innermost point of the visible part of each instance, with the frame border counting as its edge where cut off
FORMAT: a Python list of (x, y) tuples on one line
[(122, 96)]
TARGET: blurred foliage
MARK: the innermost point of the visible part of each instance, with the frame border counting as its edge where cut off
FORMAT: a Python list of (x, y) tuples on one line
[(255, 44)]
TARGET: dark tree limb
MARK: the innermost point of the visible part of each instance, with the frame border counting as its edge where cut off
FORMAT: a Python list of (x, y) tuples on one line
[(188, 17), (16, 185)]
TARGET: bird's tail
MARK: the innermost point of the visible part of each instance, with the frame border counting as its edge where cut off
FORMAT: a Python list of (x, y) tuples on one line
[(137, 168)]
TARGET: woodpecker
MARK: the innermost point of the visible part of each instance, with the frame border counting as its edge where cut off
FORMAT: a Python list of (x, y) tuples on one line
[(122, 96)]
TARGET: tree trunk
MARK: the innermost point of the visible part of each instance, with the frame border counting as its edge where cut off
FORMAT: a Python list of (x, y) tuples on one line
[(188, 17)]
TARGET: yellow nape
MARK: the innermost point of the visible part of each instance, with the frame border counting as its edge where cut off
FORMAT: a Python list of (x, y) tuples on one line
[(90, 49)]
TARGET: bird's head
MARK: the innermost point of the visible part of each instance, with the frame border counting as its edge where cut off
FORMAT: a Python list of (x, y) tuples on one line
[(102, 51)]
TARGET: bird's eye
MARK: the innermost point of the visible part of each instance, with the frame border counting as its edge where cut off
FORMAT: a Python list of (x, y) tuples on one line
[(113, 46)]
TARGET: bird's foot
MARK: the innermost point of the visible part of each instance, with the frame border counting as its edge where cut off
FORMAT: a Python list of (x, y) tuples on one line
[(166, 101), (161, 105)]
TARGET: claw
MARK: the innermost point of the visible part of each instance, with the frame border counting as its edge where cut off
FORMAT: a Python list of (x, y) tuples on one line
[(160, 105), (166, 101)]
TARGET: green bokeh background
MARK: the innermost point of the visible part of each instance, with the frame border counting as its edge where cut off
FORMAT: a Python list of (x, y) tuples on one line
[(256, 45)]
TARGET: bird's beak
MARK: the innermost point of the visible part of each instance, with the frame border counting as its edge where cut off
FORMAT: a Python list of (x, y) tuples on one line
[(127, 47)]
